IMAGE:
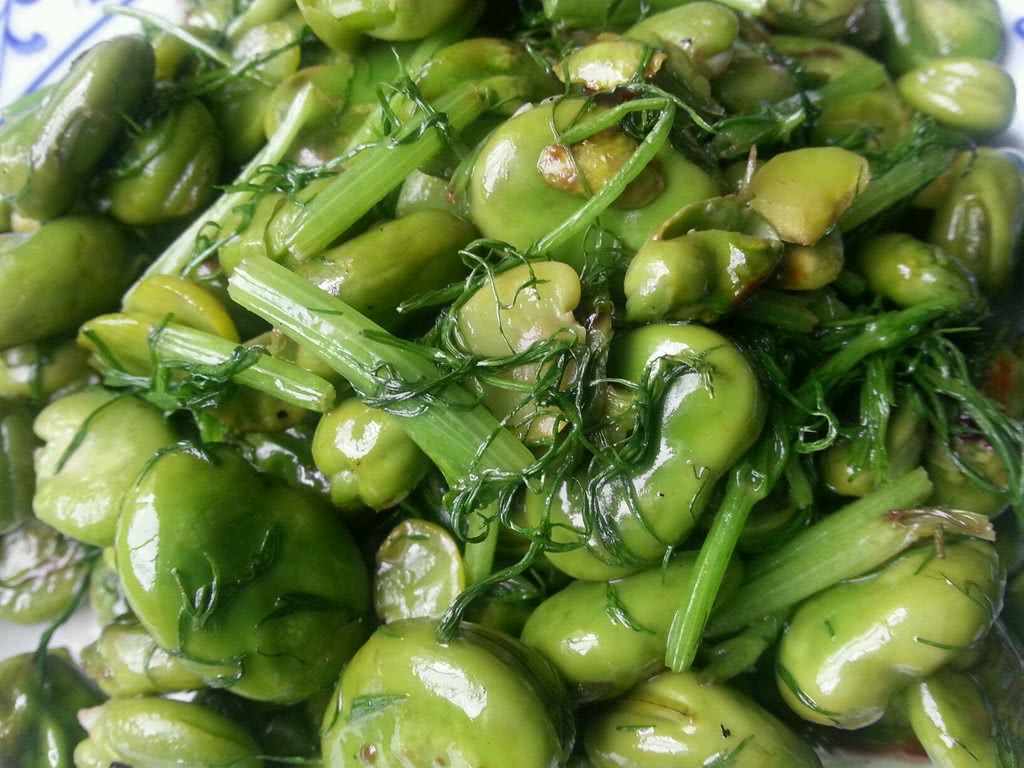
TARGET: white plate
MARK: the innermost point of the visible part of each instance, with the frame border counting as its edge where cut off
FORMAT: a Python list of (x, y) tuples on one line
[(41, 37)]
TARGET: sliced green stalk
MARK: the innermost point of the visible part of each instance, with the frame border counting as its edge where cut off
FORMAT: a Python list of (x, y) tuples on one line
[(287, 382), (749, 482), (461, 436), (379, 169), (849, 543), (180, 254)]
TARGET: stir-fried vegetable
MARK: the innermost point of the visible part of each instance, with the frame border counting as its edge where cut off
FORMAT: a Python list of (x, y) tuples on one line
[(580, 383)]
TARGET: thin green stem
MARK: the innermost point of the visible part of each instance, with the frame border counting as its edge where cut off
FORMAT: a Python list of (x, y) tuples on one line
[(461, 436), (479, 555), (886, 331), (379, 169), (609, 118), (898, 184), (609, 193), (849, 543), (749, 482), (177, 257), (287, 382)]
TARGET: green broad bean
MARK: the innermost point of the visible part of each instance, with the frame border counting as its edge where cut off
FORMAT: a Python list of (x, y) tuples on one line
[(827, 19), (126, 661), (527, 305), (419, 572), (606, 13), (286, 456), (848, 650), (907, 272), (421, 191), (278, 345), (703, 262), (239, 107), (951, 720), (753, 82), (17, 474), (604, 638), (248, 411), (366, 457), (58, 276), (168, 170), (702, 32), (40, 573), (96, 445), (505, 67), (328, 85), (697, 437), (251, 231), (935, 193), (608, 63), (212, 16), (159, 733), (972, 95), (337, 37), (979, 219), (63, 142), (956, 489), (106, 597), (811, 267), (905, 440), (591, 163), (40, 370), (393, 261), (675, 719), (803, 193), (170, 55), (918, 31), (252, 14), (255, 585), (879, 119), (128, 335), (341, 25), (824, 61), (185, 302), (407, 700), (39, 699), (511, 200)]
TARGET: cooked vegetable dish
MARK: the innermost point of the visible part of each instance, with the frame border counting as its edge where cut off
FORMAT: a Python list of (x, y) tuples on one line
[(493, 384)]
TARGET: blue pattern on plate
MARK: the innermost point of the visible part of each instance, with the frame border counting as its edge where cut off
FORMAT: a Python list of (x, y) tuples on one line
[(34, 47)]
